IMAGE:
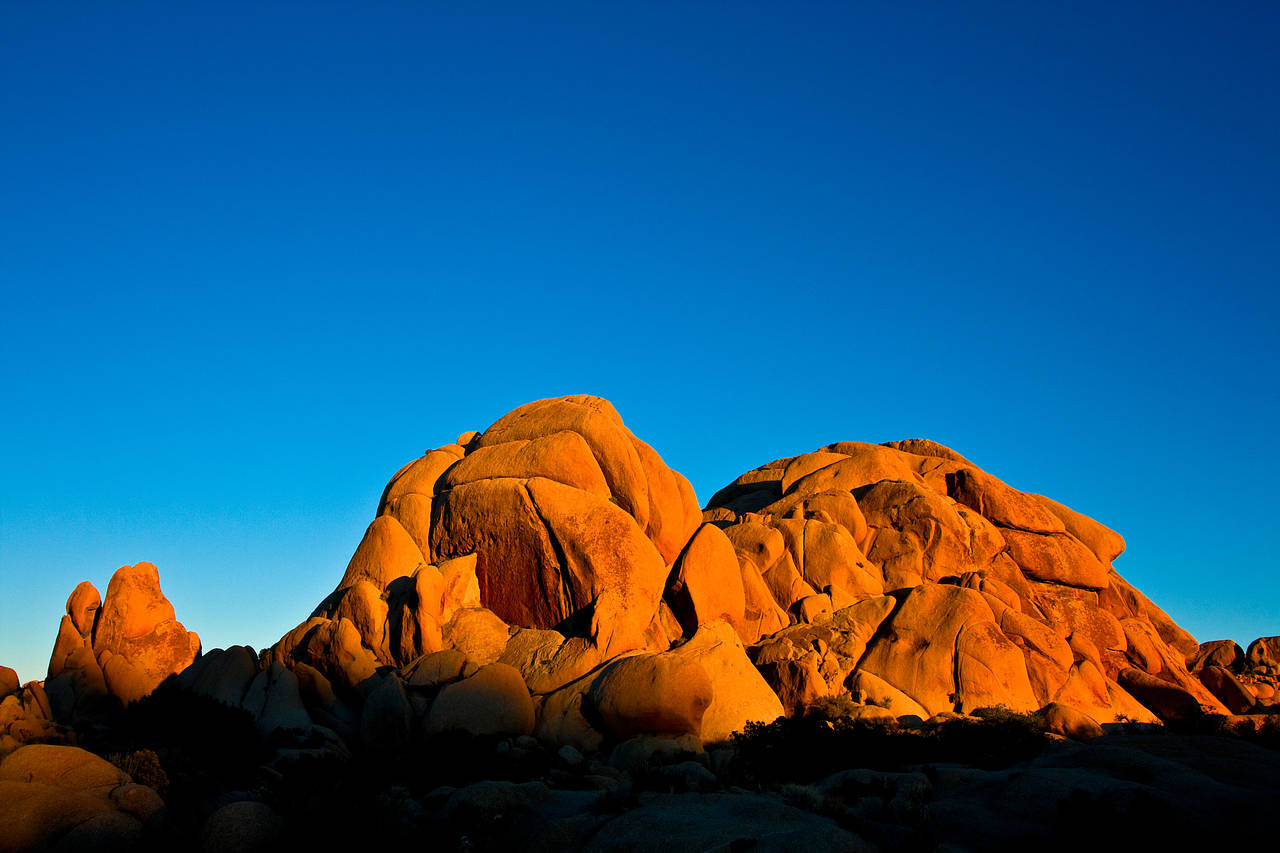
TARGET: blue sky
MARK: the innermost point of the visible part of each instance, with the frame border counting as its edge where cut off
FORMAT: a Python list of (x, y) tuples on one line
[(257, 256)]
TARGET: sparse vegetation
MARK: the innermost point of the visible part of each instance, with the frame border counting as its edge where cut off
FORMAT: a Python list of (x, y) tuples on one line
[(818, 743), (144, 767)]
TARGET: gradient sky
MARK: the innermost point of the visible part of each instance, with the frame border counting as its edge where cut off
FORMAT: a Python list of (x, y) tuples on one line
[(255, 257)]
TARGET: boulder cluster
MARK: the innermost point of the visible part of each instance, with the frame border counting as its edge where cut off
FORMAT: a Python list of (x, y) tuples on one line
[(551, 580), (551, 576), (921, 583)]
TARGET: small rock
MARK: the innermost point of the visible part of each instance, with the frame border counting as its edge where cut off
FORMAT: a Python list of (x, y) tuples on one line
[(242, 827), (690, 776)]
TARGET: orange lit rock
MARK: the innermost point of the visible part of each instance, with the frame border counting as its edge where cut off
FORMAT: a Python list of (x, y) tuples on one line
[(1057, 558), (386, 552), (652, 694), (547, 660), (943, 648), (564, 457), (124, 645), (1228, 689), (558, 545), (493, 701), (706, 582), (82, 607), (1069, 721), (739, 694)]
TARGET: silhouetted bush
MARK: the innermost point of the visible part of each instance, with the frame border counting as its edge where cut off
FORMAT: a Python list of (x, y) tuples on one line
[(144, 767), (1267, 735), (193, 734), (809, 747)]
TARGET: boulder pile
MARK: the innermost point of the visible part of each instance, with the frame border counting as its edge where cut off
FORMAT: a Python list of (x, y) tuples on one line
[(552, 577), (541, 623)]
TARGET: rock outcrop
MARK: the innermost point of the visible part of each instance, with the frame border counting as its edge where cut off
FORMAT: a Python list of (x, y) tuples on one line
[(551, 576), (554, 564), (988, 595), (547, 597), (117, 648), (25, 714)]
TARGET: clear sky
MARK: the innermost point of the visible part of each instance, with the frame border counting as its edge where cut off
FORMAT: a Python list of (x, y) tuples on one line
[(256, 256)]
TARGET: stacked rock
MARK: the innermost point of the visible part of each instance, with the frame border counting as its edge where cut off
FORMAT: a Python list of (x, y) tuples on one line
[(121, 647), (926, 584), (551, 575)]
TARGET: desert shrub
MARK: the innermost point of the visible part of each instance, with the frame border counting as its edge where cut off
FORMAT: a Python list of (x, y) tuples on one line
[(809, 747), (832, 707), (1266, 735), (193, 734), (144, 767), (990, 743), (1003, 715)]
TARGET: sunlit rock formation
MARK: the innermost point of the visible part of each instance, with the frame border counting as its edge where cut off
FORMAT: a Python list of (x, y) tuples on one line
[(121, 647), (551, 576), (557, 546), (921, 582)]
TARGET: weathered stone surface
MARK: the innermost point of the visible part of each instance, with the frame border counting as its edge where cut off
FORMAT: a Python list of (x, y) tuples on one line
[(944, 650), (274, 699), (1058, 558), (1167, 701), (1104, 542), (706, 583), (478, 633), (547, 660), (82, 607), (137, 623), (1264, 652), (419, 476), (1228, 689), (493, 701), (739, 694), (122, 647), (1069, 721), (561, 719), (1224, 653), (547, 552), (386, 720), (140, 801), (65, 767), (442, 667), (37, 816), (564, 457), (386, 552), (652, 694), (222, 674), (242, 827), (870, 689), (333, 648), (1003, 506)]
